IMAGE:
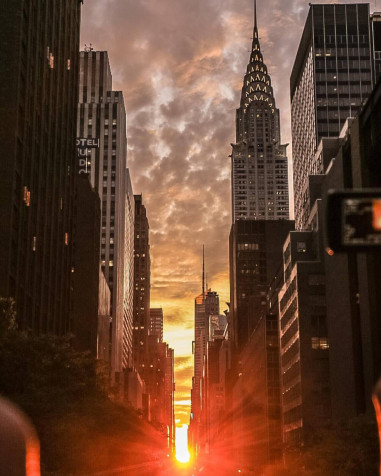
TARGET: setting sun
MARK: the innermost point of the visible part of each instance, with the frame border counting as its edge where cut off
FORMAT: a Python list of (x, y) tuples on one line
[(182, 452)]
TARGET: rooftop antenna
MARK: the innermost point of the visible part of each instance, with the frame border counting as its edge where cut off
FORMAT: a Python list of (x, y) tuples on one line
[(255, 31), (203, 270)]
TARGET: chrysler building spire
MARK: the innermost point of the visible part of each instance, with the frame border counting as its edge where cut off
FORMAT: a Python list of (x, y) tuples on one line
[(259, 161), (257, 82)]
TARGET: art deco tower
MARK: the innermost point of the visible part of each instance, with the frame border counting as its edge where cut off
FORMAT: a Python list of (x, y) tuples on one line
[(259, 161)]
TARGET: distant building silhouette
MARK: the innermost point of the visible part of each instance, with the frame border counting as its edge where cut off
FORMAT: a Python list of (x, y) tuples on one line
[(142, 284), (206, 304), (160, 385)]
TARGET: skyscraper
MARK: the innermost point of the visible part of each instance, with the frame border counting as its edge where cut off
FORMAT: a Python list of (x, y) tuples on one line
[(334, 72), (38, 93), (260, 225), (142, 284), (332, 76), (258, 162), (205, 305), (102, 118)]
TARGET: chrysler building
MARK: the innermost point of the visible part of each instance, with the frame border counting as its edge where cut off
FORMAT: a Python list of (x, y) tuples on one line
[(259, 160)]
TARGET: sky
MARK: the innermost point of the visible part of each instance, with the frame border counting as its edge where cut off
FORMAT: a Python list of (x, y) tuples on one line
[(180, 65)]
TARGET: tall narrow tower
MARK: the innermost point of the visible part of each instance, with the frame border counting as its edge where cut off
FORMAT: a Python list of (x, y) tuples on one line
[(259, 161), (142, 283), (206, 304), (102, 118)]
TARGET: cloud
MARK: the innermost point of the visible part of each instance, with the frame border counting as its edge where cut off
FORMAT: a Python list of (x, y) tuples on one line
[(180, 65)]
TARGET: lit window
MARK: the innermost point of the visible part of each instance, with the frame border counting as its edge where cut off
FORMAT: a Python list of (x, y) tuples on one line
[(301, 246), (27, 196), (319, 343)]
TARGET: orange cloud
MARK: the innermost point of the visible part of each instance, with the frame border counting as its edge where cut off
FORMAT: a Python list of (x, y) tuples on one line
[(180, 65)]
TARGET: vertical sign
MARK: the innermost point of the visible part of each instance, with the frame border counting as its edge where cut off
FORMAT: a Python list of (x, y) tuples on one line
[(84, 147)]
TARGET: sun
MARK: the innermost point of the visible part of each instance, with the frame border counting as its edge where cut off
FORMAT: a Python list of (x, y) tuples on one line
[(182, 452)]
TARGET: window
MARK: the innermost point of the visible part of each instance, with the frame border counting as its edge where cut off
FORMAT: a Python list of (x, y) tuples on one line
[(248, 246), (316, 280), (27, 196), (301, 247), (319, 343)]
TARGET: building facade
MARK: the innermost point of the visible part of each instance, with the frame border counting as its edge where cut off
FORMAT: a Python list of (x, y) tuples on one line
[(102, 120), (304, 343), (128, 271), (38, 91), (142, 285), (206, 305), (86, 264), (259, 165), (255, 253), (333, 74)]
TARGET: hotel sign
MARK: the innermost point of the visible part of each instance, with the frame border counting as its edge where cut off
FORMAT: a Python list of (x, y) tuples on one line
[(84, 147)]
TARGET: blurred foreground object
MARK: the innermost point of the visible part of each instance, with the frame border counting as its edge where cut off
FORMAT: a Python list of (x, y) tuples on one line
[(353, 220), (19, 445), (377, 406)]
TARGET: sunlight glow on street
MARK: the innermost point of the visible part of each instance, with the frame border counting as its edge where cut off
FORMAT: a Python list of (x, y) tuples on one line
[(182, 452)]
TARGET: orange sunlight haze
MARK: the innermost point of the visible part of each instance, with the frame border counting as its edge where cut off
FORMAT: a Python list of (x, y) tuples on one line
[(182, 452)]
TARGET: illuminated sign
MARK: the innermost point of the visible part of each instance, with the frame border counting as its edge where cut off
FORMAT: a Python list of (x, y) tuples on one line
[(90, 143), (84, 147)]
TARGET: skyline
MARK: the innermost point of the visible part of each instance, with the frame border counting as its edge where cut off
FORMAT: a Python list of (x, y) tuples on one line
[(194, 64)]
